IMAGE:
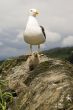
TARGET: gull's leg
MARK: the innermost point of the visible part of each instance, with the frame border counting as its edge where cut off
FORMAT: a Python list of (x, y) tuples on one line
[(31, 48), (38, 48)]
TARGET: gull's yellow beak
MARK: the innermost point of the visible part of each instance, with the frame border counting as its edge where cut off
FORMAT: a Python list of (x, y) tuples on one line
[(37, 12)]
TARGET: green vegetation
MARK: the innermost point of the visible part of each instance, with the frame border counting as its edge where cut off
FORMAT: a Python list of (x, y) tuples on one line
[(5, 97), (70, 58), (61, 53), (1, 62)]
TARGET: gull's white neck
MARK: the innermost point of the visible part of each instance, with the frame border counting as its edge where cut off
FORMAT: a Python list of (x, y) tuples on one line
[(32, 22)]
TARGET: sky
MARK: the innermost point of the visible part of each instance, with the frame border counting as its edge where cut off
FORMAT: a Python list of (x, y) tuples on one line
[(56, 16)]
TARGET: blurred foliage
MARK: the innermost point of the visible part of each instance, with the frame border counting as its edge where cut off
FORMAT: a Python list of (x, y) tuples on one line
[(5, 97), (61, 53), (70, 58)]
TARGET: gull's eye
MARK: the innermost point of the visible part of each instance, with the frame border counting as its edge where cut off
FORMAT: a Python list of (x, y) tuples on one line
[(31, 10)]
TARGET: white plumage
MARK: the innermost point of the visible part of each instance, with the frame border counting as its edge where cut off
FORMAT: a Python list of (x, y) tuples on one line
[(33, 34)]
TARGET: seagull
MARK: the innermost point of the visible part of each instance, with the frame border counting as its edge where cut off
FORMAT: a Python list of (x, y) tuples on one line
[(34, 34)]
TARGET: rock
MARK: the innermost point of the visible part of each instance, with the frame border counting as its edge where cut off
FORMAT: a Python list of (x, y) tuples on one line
[(33, 61), (48, 87)]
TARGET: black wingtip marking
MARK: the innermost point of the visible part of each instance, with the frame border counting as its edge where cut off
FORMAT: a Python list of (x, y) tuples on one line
[(43, 31)]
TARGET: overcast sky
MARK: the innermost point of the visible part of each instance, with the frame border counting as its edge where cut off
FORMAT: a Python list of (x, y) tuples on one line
[(55, 15)]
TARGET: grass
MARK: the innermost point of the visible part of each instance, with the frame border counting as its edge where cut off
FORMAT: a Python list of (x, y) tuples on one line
[(5, 97), (61, 53)]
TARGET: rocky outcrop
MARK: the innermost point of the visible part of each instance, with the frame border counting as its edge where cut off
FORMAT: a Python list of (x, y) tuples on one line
[(48, 87)]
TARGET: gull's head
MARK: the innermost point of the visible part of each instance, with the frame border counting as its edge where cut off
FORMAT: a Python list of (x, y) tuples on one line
[(33, 12)]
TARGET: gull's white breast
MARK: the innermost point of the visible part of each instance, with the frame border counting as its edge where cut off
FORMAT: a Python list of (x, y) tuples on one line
[(33, 34)]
